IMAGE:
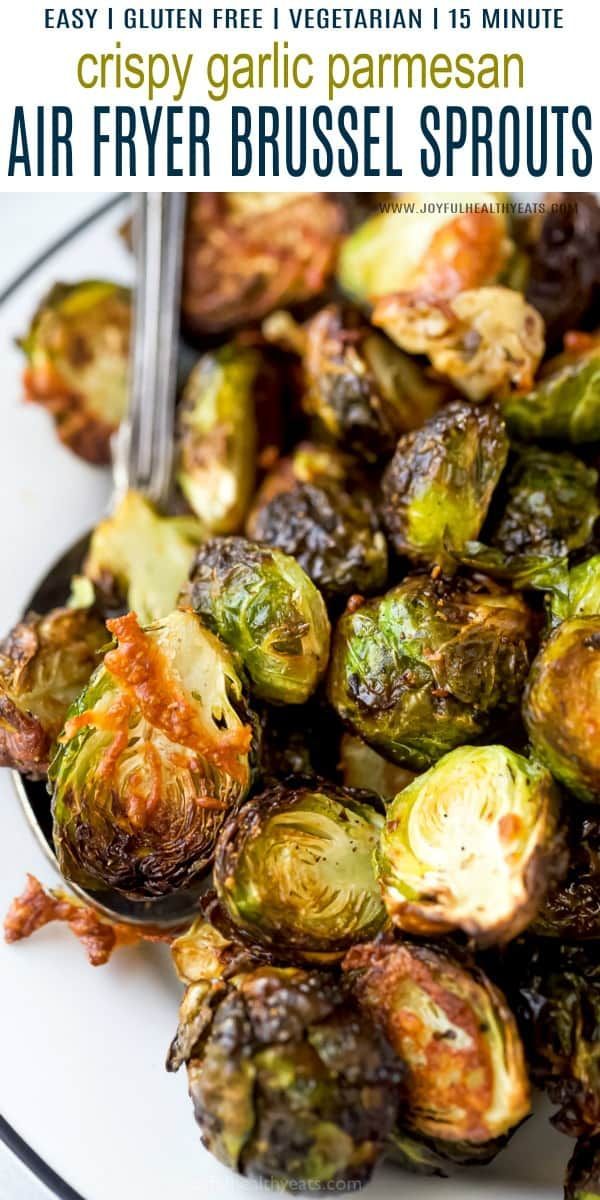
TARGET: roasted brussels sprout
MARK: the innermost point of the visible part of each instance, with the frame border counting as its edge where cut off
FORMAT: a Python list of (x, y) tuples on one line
[(332, 533), (362, 767), (289, 1081), (153, 754), (438, 486), (44, 664), (308, 462), (247, 253), (429, 666), (414, 1154), (571, 910), (361, 389), (554, 991), (206, 954), (78, 353), (583, 1171), (294, 871), (472, 844), (561, 705), (426, 252), (487, 342), (565, 400), (564, 273), (467, 1082), (265, 607), (584, 588), (228, 406), (140, 560)]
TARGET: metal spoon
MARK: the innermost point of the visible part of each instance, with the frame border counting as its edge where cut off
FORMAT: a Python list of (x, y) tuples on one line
[(142, 460)]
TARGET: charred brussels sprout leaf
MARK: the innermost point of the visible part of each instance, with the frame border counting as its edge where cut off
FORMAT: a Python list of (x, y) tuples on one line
[(584, 588), (247, 253), (583, 1171), (564, 275), (565, 400), (572, 908), (334, 535), (438, 486), (471, 845), (288, 1081), (218, 433), (265, 607), (467, 1082), (44, 664), (362, 767), (140, 560), (561, 705), (294, 871), (78, 351), (429, 666), (153, 754)]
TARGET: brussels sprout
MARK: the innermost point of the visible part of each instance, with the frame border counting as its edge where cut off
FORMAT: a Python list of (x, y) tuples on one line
[(561, 705), (140, 560), (487, 341), (583, 1171), (153, 754), (584, 588), (363, 767), (229, 395), (293, 870), (414, 1154), (44, 664), (205, 954), (266, 608), (438, 486), (565, 400), (289, 1081), (247, 253), (361, 389), (572, 908), (554, 991), (429, 666), (467, 1082), (564, 275), (332, 533), (78, 354), (424, 251), (472, 844)]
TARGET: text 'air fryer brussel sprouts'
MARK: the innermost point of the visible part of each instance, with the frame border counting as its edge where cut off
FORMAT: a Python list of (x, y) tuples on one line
[(288, 1080), (438, 486), (472, 845), (44, 664), (467, 1084), (228, 408), (247, 253), (571, 910), (139, 560), (429, 666), (265, 607), (561, 705), (153, 754), (564, 274), (78, 352), (583, 1171), (294, 870), (565, 400)]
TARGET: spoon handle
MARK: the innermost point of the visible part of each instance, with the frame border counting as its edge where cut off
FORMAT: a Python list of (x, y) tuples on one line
[(144, 452)]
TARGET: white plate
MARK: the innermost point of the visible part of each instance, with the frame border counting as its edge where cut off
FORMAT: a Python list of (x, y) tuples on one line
[(82, 1079)]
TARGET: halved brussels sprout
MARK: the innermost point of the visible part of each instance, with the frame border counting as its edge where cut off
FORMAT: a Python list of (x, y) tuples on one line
[(472, 844), (44, 664), (294, 871), (140, 560), (289, 1081), (565, 400), (571, 910), (561, 705), (397, 252), (265, 607), (583, 1170), (362, 767), (487, 341), (467, 1082), (584, 588), (429, 666), (78, 359), (230, 394), (564, 274), (438, 486), (153, 754), (308, 462), (332, 532), (206, 954), (247, 253)]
